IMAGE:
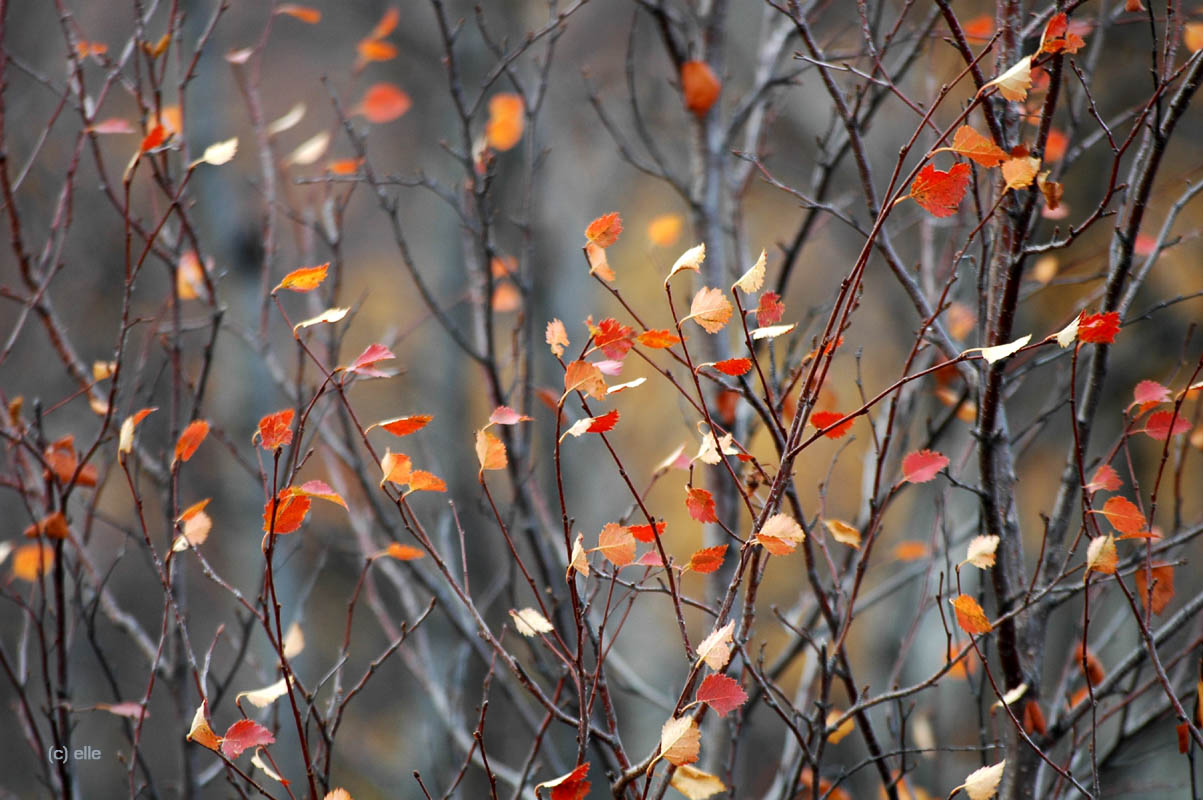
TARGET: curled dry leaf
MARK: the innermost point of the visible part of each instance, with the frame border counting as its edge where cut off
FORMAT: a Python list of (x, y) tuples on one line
[(306, 14), (1069, 334), (294, 640), (690, 259), (842, 532), (530, 622), (753, 279), (696, 784), (578, 562), (1015, 82), (125, 442), (261, 698), (200, 732), (981, 551), (1000, 351), (680, 741), (327, 316), (556, 337), (772, 331), (715, 649), (290, 120), (309, 151)]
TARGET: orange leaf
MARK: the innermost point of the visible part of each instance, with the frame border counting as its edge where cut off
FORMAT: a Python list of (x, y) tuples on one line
[(275, 430), (1033, 718), (699, 86), (504, 128), (975, 146), (1164, 424), (395, 468), (344, 166), (192, 510), (403, 426), (734, 366), (658, 339), (920, 466), (970, 615), (710, 309), (1101, 555), (645, 533), (1058, 38), (910, 551), (1192, 36), (585, 377), (1098, 328), (680, 741), (200, 732), (979, 29), (310, 16), (1090, 665), (604, 230), (1163, 586), (613, 338), (1020, 171), (722, 693), (289, 510), (1105, 479), (941, 192), (1055, 146), (375, 50), (242, 735), (616, 544), (403, 552), (191, 439), (708, 559), (386, 24), (700, 504), (824, 419), (599, 265), (1124, 515), (384, 102), (52, 526), (490, 451), (423, 481), (305, 279), (664, 229), (31, 560)]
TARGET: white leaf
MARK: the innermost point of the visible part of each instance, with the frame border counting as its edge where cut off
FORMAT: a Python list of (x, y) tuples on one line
[(753, 279), (310, 150), (265, 696), (690, 259), (981, 551), (983, 783), (291, 118), (529, 622), (773, 331), (1067, 335), (1001, 351), (220, 152)]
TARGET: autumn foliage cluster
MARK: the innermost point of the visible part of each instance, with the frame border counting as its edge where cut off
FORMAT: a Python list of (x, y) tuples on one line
[(843, 441)]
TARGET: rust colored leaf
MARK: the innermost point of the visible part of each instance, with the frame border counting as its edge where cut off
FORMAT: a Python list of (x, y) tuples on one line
[(975, 146), (384, 102), (769, 310), (242, 735), (403, 426), (200, 732), (1163, 586), (191, 439), (1161, 425), (490, 451), (941, 192), (290, 510), (645, 533), (1098, 328), (920, 466), (504, 128), (578, 562), (613, 338), (825, 419), (970, 615), (584, 377), (1058, 38), (386, 25), (275, 430), (32, 560), (1033, 718), (305, 279), (658, 339), (1090, 665), (699, 86), (710, 309), (734, 366), (1124, 515), (700, 504), (708, 559), (604, 230), (722, 693)]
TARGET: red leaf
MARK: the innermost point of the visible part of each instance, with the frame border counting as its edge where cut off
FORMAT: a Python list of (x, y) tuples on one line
[(1098, 328), (650, 559), (242, 735), (722, 693), (191, 439), (921, 466), (941, 192), (572, 786), (366, 363), (156, 137), (275, 430), (734, 366), (1164, 424), (613, 338), (644, 533), (604, 230), (700, 505), (1149, 393), (384, 102), (823, 419), (1105, 478), (708, 559), (770, 310), (699, 86), (604, 423)]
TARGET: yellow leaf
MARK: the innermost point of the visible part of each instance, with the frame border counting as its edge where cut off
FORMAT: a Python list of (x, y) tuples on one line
[(753, 279), (983, 783), (696, 784), (305, 279), (1101, 555), (1015, 82), (1019, 172), (529, 622), (664, 229), (835, 734), (200, 732), (843, 532), (970, 615), (690, 259), (395, 468)]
